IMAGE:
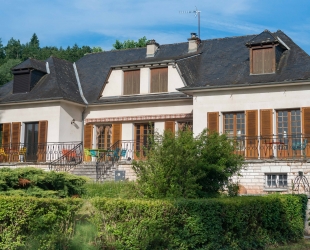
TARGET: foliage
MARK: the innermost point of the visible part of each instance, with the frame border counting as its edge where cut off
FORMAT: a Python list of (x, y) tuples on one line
[(39, 183), (226, 223), (32, 223), (127, 44), (184, 166), (15, 52), (112, 189)]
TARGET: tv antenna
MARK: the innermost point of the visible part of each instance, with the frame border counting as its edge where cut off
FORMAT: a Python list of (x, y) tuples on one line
[(197, 13)]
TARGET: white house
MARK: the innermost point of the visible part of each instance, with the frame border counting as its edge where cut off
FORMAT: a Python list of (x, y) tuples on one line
[(254, 88)]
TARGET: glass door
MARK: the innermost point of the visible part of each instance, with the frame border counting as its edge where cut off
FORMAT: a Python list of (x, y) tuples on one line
[(31, 141)]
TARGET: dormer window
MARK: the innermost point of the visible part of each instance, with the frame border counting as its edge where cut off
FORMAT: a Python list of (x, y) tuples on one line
[(131, 82), (159, 80), (265, 53), (262, 60)]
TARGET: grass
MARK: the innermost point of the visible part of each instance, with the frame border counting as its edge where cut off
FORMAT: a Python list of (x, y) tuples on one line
[(123, 190)]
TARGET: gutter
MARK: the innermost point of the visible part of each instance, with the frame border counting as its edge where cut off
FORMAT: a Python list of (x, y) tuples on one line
[(244, 86), (84, 99)]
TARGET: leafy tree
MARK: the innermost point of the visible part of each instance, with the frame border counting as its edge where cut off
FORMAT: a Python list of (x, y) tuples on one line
[(2, 54), (13, 49), (127, 44), (184, 166), (34, 41), (96, 49), (5, 70)]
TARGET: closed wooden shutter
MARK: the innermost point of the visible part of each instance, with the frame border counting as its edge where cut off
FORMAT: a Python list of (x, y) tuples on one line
[(170, 125), (116, 133), (306, 128), (15, 141), (251, 133), (88, 140), (6, 136), (263, 60), (266, 133), (131, 82), (159, 80), (213, 121), (42, 140)]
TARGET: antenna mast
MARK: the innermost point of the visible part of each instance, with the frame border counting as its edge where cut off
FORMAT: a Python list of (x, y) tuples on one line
[(197, 13)]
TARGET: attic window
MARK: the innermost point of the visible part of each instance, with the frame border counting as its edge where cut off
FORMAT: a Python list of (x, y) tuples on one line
[(25, 80), (262, 60)]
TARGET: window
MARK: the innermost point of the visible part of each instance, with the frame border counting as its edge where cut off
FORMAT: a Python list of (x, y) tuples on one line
[(185, 125), (234, 124), (142, 133), (131, 82), (275, 180), (159, 80), (104, 136), (262, 60)]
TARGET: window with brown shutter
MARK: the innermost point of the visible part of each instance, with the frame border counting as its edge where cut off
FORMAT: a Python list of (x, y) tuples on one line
[(42, 140), (306, 128), (131, 82), (15, 146), (103, 137), (6, 135), (266, 133), (251, 133), (170, 125), (142, 138), (213, 121), (262, 60), (159, 80), (1, 134), (116, 133), (88, 140)]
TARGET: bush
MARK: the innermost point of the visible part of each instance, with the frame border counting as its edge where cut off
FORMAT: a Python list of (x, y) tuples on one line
[(33, 223), (227, 223), (39, 183), (184, 166)]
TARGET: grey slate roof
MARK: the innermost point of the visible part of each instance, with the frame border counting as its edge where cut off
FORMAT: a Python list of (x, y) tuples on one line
[(217, 63), (60, 84), (31, 64)]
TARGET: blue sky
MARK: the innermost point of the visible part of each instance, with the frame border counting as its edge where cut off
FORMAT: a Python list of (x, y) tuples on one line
[(101, 22)]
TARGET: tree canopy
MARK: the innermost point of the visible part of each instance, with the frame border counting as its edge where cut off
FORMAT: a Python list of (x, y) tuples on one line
[(128, 44), (185, 166), (15, 52)]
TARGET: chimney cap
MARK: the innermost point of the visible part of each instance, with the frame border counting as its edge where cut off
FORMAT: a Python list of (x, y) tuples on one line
[(151, 42), (193, 36)]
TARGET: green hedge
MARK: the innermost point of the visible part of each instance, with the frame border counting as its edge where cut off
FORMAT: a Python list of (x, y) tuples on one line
[(230, 223), (35, 223)]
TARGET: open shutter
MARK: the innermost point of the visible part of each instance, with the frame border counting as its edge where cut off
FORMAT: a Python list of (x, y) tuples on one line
[(116, 133), (266, 133), (251, 134), (15, 141), (6, 137), (213, 121), (88, 140), (42, 139), (170, 125), (306, 127)]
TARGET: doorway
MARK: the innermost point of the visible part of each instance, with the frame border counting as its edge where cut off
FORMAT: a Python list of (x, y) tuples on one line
[(31, 141)]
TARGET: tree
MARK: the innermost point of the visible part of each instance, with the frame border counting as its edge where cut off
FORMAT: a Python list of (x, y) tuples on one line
[(184, 166), (127, 44), (96, 49), (2, 54), (13, 49), (5, 70)]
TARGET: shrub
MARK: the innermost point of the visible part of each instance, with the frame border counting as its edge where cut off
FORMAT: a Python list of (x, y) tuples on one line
[(227, 223), (33, 223), (39, 183), (184, 166)]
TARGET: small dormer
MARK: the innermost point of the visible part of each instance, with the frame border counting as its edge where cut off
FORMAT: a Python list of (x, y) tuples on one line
[(27, 75), (151, 48), (265, 53)]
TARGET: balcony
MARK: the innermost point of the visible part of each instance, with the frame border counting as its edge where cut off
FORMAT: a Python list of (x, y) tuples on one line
[(40, 153)]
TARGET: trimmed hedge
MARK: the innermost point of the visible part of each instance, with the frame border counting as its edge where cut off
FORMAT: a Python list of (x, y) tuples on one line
[(35, 223), (230, 223)]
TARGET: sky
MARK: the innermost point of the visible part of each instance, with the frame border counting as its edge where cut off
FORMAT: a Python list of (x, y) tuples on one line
[(101, 22)]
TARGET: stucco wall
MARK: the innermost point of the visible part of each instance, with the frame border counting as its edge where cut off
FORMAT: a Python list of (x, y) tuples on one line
[(280, 97), (114, 87)]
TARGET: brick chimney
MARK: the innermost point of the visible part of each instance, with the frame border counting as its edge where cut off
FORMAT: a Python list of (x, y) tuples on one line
[(193, 43), (151, 48)]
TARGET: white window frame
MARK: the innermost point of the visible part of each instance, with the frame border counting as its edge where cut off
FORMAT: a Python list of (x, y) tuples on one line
[(275, 181)]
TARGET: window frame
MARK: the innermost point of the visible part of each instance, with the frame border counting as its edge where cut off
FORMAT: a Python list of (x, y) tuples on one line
[(131, 84), (235, 130), (153, 74), (252, 60), (277, 178)]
